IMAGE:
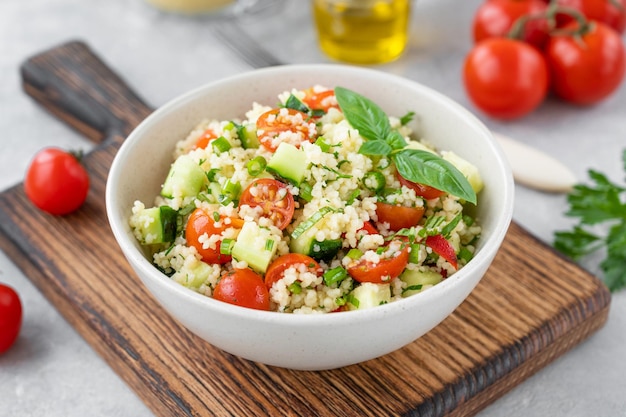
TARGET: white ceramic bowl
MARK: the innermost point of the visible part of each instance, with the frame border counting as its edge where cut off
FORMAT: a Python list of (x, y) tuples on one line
[(322, 341)]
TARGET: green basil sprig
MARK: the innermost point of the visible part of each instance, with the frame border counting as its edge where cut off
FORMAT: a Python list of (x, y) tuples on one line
[(381, 140)]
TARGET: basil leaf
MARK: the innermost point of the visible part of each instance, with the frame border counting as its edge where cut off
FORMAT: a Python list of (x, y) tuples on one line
[(294, 103), (429, 169), (395, 140), (375, 147), (363, 114)]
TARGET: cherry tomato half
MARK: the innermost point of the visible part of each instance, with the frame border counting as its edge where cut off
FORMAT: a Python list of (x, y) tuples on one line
[(422, 190), (277, 268), (495, 18), (398, 217), (271, 124), (243, 287), (505, 78), (10, 317), (387, 269), (204, 140), (443, 248), (610, 12), (273, 197), (320, 100), (586, 69), (56, 182), (200, 223)]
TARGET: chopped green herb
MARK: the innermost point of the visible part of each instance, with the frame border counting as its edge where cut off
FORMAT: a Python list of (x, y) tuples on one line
[(407, 118), (220, 145), (335, 275)]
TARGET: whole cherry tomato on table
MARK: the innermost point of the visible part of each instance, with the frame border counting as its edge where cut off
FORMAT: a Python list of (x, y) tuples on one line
[(610, 12), (56, 182), (587, 66), (496, 18), (505, 78), (10, 317), (243, 287)]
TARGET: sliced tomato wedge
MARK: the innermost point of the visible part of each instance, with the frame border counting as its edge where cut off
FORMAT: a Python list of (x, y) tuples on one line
[(204, 140), (387, 269), (201, 222), (243, 287), (398, 217), (443, 248), (321, 100), (276, 270), (422, 190), (274, 122), (273, 197)]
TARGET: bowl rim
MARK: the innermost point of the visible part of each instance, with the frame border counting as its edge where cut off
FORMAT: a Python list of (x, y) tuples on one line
[(138, 260)]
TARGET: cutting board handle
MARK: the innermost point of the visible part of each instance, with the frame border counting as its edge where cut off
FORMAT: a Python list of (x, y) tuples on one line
[(75, 85)]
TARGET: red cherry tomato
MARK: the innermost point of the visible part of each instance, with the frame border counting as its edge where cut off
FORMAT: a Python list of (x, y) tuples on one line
[(321, 100), (274, 123), (586, 69), (243, 287), (56, 182), (443, 248), (495, 18), (200, 223), (387, 269), (398, 217), (204, 140), (10, 317), (274, 197), (277, 268), (505, 78), (610, 12), (422, 190)]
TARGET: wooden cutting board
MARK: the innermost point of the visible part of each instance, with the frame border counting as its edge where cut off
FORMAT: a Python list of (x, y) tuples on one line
[(532, 306)]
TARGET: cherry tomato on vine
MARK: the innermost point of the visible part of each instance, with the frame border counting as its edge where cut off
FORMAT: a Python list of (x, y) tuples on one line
[(273, 197), (505, 78), (398, 217), (610, 12), (496, 18), (588, 67), (243, 287), (56, 182), (10, 317), (443, 248), (385, 270), (276, 270), (200, 223), (274, 123)]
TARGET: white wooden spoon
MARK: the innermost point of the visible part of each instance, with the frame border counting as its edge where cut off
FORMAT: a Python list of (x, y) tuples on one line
[(534, 168)]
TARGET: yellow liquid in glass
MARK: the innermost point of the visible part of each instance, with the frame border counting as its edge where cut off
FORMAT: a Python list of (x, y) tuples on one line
[(362, 31)]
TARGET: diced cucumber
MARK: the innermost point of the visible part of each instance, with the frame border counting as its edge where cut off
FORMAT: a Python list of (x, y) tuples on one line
[(289, 163), (416, 280), (467, 169), (155, 225), (185, 178), (369, 295), (197, 275), (256, 246), (247, 136), (306, 244)]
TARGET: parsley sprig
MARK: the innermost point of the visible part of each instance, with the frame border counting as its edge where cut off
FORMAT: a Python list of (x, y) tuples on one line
[(602, 203), (381, 140)]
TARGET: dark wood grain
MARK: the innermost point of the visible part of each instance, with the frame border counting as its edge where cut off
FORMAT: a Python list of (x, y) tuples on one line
[(531, 306)]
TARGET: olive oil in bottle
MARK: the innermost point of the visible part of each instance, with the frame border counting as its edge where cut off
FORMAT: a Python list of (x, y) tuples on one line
[(362, 31)]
